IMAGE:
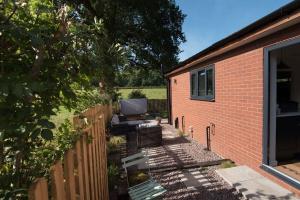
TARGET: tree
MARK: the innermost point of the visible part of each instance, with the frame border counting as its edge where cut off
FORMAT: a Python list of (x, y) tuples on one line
[(46, 51), (150, 30), (50, 48), (135, 77)]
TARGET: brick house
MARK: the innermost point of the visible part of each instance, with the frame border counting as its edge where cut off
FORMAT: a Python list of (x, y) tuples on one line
[(244, 91)]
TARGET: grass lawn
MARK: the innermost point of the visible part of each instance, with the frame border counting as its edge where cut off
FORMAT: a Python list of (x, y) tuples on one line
[(151, 93), (61, 115)]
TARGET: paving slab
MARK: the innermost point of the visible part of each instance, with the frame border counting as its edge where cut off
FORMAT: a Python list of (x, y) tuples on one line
[(253, 185)]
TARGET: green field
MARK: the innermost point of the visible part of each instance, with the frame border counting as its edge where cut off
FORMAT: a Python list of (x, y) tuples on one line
[(151, 93), (61, 115)]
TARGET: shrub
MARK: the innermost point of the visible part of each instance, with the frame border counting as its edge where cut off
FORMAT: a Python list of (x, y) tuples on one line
[(227, 164), (89, 98), (164, 114), (113, 175), (138, 177), (136, 94), (114, 143), (181, 133)]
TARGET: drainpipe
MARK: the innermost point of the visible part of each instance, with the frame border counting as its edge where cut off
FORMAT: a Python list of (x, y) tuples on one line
[(169, 101), (208, 138)]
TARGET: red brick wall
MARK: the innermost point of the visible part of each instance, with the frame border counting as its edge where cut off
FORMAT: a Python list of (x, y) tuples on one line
[(237, 111)]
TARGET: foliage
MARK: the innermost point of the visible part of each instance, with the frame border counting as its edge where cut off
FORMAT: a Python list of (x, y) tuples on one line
[(136, 94), (113, 175), (227, 164), (40, 159), (46, 49), (180, 133), (89, 98), (150, 30), (138, 177), (50, 50), (164, 114), (60, 116), (64, 139), (114, 143), (132, 77)]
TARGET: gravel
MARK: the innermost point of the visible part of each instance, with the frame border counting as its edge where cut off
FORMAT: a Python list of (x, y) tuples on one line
[(179, 152), (197, 151)]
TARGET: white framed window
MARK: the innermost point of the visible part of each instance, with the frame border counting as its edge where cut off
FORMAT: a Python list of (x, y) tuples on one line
[(202, 83)]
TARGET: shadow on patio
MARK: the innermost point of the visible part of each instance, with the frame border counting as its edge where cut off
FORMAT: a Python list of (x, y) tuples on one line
[(185, 168)]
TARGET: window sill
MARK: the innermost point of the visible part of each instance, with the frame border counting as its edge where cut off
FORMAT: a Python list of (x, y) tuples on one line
[(201, 99)]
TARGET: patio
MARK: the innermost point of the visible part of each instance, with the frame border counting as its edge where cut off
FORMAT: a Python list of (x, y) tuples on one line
[(183, 167)]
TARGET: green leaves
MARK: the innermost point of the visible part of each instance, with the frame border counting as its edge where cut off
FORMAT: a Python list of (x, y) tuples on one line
[(43, 54), (150, 30), (47, 134), (4, 89), (37, 86), (45, 130), (18, 90), (35, 133), (46, 123)]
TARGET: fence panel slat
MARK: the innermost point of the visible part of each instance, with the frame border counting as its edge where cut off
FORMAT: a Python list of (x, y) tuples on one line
[(96, 141), (102, 154), (101, 160), (39, 190), (69, 174), (104, 161), (91, 163), (80, 169), (94, 168), (84, 146), (83, 174), (57, 180)]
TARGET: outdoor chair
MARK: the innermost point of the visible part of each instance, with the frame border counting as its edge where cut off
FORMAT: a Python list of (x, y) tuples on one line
[(120, 126), (149, 189)]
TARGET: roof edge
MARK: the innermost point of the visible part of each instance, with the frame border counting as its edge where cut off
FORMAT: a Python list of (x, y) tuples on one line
[(277, 14)]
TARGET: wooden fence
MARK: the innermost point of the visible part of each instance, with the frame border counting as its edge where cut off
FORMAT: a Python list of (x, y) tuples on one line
[(157, 105), (154, 106), (83, 172)]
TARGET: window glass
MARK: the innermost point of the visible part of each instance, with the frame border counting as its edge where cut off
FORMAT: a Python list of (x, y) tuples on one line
[(209, 82), (201, 83)]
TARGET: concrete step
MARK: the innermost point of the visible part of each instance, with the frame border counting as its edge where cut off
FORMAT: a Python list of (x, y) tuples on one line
[(253, 185)]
